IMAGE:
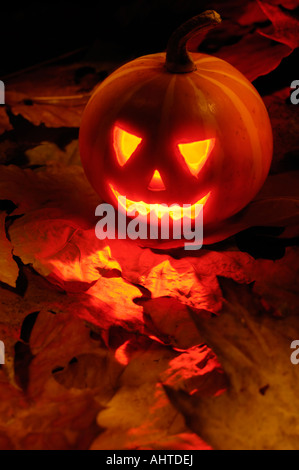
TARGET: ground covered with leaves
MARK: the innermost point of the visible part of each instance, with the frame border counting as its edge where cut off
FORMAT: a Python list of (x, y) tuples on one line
[(111, 345)]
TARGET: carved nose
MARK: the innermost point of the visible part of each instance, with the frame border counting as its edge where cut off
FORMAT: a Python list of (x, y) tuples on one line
[(156, 183)]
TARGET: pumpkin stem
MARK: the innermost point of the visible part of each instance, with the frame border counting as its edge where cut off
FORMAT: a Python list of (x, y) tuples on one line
[(178, 60)]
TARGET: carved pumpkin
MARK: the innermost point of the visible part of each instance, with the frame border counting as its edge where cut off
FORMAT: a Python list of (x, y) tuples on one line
[(173, 128)]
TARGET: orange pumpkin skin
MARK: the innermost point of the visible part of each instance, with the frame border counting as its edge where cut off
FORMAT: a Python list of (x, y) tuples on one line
[(165, 110)]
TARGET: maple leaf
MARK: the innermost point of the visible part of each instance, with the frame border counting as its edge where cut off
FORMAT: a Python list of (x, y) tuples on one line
[(260, 408), (266, 56), (276, 205), (52, 189), (169, 320), (48, 153), (195, 371), (139, 416), (285, 26), (174, 278), (57, 375), (51, 95), (239, 36)]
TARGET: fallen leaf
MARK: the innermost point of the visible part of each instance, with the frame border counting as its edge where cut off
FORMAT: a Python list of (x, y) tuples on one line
[(267, 56), (169, 320), (139, 415), (260, 408), (252, 13), (9, 270), (60, 190), (4, 121), (285, 26), (53, 95), (48, 153), (276, 205), (57, 388), (196, 371)]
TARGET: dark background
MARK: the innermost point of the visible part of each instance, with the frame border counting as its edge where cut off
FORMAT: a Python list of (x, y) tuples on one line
[(35, 32), (120, 30)]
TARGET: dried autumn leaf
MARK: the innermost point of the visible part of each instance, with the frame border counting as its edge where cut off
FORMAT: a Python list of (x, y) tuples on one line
[(9, 270), (238, 38), (83, 259), (252, 13), (171, 278), (136, 261), (260, 408), (55, 340), (58, 111), (57, 397), (276, 205), (277, 281), (182, 441), (169, 320), (57, 422), (266, 55), (91, 270), (53, 95), (48, 153), (4, 121), (196, 371), (285, 26), (61, 190), (139, 415), (119, 295)]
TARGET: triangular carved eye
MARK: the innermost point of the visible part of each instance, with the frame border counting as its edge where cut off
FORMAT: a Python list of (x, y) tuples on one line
[(124, 144), (196, 154)]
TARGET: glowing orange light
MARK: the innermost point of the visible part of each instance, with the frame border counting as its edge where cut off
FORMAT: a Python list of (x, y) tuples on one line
[(174, 211), (196, 154), (124, 144), (120, 354), (156, 183)]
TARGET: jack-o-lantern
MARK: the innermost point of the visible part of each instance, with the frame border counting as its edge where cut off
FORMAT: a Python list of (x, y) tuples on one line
[(171, 128)]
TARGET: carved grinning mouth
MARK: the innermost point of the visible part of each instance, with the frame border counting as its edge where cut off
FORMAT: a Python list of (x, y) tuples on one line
[(174, 211)]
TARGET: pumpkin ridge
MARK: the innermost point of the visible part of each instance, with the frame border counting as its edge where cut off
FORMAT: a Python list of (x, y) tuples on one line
[(138, 86), (201, 92), (167, 104), (236, 79), (116, 75), (206, 59), (247, 119)]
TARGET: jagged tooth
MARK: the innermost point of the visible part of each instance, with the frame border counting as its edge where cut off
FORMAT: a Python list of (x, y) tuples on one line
[(157, 208)]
